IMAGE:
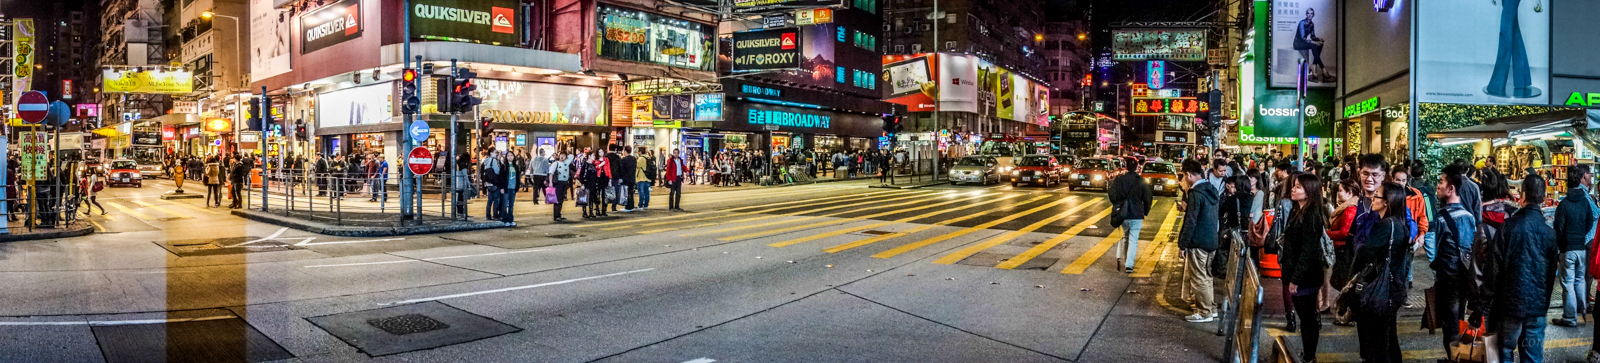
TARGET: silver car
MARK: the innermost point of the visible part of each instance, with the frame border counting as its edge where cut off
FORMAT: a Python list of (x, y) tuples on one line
[(975, 169)]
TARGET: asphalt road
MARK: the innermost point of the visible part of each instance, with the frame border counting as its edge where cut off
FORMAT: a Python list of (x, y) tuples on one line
[(834, 272)]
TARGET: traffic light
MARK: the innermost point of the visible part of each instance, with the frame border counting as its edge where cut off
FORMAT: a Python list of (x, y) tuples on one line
[(461, 99), (487, 125), (254, 122), (410, 103), (300, 129), (892, 126)]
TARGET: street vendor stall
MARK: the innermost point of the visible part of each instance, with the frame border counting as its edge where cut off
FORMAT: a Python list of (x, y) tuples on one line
[(1546, 143)]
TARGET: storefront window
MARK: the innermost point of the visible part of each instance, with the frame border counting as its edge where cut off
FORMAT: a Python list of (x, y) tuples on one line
[(643, 37)]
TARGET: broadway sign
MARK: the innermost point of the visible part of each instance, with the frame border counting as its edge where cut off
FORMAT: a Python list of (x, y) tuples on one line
[(478, 21), (766, 50), (332, 24)]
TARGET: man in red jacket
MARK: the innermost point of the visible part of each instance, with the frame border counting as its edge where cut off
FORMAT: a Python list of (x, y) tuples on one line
[(674, 177)]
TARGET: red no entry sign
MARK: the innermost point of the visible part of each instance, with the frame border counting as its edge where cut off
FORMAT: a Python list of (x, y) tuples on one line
[(420, 161), (32, 107)]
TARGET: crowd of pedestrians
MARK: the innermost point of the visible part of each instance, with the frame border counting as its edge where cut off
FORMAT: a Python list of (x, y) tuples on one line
[(1344, 234)]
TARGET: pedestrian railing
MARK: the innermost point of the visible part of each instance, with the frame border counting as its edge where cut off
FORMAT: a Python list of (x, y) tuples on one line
[(1240, 325), (49, 204), (357, 198)]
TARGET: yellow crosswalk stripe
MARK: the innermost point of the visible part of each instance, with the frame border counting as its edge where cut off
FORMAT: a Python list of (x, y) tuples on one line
[(1158, 247), (1042, 247), (842, 231), (758, 209), (851, 219), (130, 212), (847, 246), (957, 256), (919, 244), (765, 217), (917, 199), (159, 208), (1094, 253)]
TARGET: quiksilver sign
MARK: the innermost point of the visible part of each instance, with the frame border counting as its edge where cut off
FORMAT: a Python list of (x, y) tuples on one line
[(478, 21), (766, 49), (330, 25)]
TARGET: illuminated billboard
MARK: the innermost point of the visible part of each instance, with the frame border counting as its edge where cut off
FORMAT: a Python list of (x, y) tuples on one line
[(1150, 44)]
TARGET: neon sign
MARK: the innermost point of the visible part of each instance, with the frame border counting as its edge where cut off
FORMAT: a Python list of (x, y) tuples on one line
[(1157, 71)]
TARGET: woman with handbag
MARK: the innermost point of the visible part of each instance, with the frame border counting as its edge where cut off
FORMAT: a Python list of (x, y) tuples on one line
[(94, 181), (1377, 291), (1304, 265)]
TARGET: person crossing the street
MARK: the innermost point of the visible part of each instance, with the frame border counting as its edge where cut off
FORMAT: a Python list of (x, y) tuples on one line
[(1130, 202)]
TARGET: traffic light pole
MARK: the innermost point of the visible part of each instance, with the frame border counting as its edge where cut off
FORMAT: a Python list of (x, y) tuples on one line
[(266, 120), (451, 146), (406, 177)]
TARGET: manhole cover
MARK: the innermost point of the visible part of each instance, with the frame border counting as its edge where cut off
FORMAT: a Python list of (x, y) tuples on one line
[(407, 324), (565, 236), (169, 219), (876, 232)]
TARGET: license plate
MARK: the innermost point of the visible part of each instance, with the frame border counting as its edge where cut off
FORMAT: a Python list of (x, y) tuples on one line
[(1158, 187), (1027, 178), (1083, 183)]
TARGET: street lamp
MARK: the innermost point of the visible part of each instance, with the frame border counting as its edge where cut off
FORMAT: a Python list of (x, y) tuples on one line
[(238, 38)]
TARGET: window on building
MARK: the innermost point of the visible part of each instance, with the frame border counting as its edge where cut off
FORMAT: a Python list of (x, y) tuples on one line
[(900, 48), (916, 48), (838, 74), (870, 6), (950, 45)]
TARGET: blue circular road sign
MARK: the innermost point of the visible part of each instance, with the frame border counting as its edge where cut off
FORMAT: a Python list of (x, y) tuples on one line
[(418, 130)]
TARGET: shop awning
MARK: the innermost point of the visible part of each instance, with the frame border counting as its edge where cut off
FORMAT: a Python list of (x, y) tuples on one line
[(1520, 127)]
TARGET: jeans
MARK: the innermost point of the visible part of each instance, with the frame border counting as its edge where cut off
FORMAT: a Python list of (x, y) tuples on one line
[(1574, 284), (378, 192), (1512, 76), (492, 207), (644, 193), (213, 194), (1305, 307), (561, 195), (675, 196), (1447, 307), (538, 185), (507, 199), (1130, 238), (1198, 264), (627, 203), (1430, 243), (1525, 336)]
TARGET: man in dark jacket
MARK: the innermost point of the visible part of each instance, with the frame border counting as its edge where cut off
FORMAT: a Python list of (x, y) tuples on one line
[(1198, 238), (1130, 198), (1574, 226), (615, 183), (493, 173), (1453, 253), (1522, 273), (627, 173)]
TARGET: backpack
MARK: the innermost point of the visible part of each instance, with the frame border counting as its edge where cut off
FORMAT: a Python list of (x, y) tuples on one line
[(650, 169)]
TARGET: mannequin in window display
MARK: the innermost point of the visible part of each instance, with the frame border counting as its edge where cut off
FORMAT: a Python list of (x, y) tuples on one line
[(1512, 77)]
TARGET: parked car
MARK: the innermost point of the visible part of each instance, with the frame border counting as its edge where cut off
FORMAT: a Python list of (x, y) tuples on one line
[(1042, 169), (975, 169), (1095, 173), (124, 172), (1162, 177)]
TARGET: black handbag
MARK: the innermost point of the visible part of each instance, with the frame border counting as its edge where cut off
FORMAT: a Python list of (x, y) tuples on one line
[(1360, 291)]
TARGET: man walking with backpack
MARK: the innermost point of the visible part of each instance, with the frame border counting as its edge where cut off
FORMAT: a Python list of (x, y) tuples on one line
[(1130, 202)]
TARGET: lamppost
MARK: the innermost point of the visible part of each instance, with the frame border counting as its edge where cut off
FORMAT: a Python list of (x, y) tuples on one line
[(238, 38)]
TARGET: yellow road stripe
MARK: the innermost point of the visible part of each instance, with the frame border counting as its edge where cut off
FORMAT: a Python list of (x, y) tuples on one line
[(131, 212), (763, 208), (915, 199), (1094, 253), (1040, 249), (97, 226), (852, 219), (839, 232), (836, 249), (919, 244), (187, 205), (956, 256), (1144, 267), (159, 208)]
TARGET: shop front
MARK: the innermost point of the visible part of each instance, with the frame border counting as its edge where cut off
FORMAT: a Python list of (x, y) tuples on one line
[(769, 128)]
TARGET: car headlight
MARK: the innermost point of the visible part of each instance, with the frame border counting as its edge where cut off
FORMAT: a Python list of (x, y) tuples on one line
[(1098, 177), (1147, 180), (136, 174), (1016, 172), (1172, 181)]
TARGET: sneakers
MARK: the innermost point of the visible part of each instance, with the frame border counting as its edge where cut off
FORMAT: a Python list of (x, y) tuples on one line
[(1564, 322), (1198, 318), (1127, 270)]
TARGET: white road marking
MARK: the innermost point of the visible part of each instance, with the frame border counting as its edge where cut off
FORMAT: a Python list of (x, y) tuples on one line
[(420, 260), (515, 288), (307, 242), (112, 322), (700, 360)]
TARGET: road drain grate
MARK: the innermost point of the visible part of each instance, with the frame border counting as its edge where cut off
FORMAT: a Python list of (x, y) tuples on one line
[(407, 324), (565, 236)]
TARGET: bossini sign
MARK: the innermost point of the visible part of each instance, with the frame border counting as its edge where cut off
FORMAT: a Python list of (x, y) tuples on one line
[(1277, 116), (477, 21), (332, 24)]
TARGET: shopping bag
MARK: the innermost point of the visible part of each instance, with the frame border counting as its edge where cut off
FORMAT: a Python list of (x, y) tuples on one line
[(1473, 347), (550, 194), (1430, 320), (611, 195)]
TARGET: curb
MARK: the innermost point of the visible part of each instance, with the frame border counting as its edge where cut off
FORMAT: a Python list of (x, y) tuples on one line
[(912, 186), (349, 231), (81, 231)]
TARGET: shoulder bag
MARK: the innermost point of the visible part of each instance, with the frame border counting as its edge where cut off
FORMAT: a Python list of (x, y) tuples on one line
[(1359, 290)]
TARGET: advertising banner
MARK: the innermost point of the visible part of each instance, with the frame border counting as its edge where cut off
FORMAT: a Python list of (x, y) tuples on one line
[(766, 50), (708, 107), (363, 105), (661, 107), (800, 3), (332, 24), (911, 83), (682, 107), (958, 82), (1493, 53), (642, 115), (1005, 104), (643, 37), (269, 40), (1168, 44), (477, 21), (22, 74), (1041, 101), (131, 81), (542, 103), (1304, 29), (1276, 115)]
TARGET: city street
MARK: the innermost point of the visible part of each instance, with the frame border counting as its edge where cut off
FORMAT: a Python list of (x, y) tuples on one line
[(825, 272)]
